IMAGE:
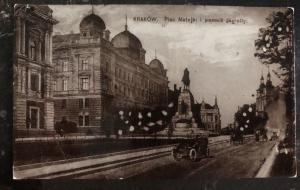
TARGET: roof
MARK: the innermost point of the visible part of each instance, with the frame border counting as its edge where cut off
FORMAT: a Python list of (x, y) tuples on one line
[(126, 39), (41, 11), (156, 65), (206, 106), (65, 39), (92, 21)]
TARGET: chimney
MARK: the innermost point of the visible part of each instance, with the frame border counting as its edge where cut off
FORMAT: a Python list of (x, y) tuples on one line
[(106, 35)]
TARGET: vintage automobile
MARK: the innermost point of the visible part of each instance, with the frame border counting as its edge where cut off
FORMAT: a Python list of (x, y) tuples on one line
[(236, 137), (191, 149), (286, 146), (274, 136)]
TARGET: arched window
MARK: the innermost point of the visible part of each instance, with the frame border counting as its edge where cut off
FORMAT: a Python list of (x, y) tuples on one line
[(32, 50)]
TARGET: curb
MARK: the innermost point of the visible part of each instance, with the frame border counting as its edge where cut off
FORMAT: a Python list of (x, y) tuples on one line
[(266, 167)]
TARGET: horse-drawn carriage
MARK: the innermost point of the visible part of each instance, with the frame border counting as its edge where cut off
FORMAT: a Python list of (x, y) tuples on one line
[(191, 148)]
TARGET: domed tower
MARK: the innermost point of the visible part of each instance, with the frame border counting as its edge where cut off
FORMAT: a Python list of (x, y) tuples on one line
[(157, 66), (92, 26), (128, 44)]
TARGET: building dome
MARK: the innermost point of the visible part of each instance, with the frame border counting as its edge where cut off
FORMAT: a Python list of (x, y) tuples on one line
[(126, 39), (156, 65), (91, 25)]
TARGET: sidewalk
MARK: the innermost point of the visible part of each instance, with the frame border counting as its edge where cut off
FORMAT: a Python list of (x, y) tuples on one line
[(73, 166), (266, 168)]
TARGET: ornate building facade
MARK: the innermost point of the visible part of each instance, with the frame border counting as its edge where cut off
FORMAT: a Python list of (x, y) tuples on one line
[(96, 76), (265, 94), (33, 103), (210, 116)]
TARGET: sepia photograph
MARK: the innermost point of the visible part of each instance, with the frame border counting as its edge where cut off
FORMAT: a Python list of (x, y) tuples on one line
[(146, 92)]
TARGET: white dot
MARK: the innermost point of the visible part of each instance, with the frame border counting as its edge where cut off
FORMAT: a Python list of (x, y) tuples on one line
[(264, 49), (250, 109), (287, 29)]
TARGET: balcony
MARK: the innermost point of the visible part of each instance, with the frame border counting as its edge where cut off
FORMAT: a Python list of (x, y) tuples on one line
[(82, 92)]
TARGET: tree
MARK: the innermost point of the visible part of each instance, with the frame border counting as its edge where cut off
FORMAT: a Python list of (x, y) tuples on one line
[(275, 46)]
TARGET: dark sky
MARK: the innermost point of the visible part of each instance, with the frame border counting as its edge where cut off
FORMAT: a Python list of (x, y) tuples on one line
[(219, 56)]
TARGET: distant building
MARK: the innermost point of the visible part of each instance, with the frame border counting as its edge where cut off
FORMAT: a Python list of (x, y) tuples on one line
[(210, 116), (95, 76), (266, 93), (33, 103)]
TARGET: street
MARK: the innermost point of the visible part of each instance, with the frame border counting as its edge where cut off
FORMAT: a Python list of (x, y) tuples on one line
[(231, 161)]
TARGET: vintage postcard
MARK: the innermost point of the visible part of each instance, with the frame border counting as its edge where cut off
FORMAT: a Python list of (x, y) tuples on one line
[(153, 92)]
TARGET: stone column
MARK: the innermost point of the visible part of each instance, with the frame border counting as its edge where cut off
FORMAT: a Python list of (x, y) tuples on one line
[(18, 35), (19, 83), (23, 79), (29, 82), (39, 51), (50, 48), (46, 47), (40, 82), (49, 115), (23, 36)]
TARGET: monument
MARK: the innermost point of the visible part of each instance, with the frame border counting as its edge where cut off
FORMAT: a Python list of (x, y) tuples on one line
[(183, 122)]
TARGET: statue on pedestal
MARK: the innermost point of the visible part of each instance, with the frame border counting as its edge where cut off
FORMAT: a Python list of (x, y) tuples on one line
[(186, 79)]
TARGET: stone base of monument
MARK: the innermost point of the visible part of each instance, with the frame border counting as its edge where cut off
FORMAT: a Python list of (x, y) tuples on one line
[(184, 125), (183, 122)]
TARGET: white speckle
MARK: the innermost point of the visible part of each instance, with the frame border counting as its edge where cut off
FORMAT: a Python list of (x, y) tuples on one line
[(3, 114)]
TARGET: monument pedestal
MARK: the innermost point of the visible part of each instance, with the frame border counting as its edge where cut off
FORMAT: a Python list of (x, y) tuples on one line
[(183, 123)]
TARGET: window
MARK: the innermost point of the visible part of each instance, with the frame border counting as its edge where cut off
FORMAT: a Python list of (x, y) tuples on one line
[(83, 103), (84, 120), (80, 120), (33, 51), (120, 73), (107, 67), (54, 85), (65, 85), (65, 66), (86, 103), (34, 82), (84, 83), (84, 65), (34, 118), (80, 103), (64, 104)]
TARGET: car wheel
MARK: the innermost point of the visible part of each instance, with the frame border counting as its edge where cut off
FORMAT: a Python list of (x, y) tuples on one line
[(193, 154)]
